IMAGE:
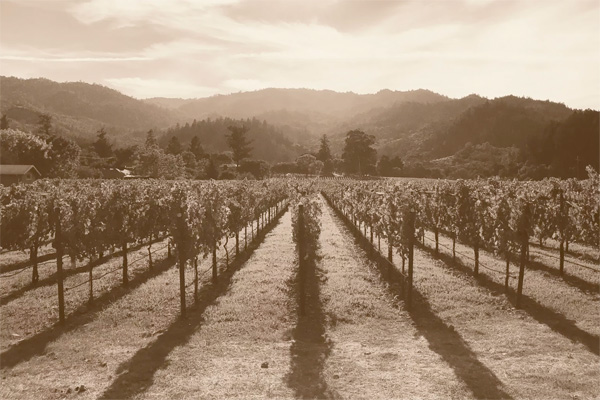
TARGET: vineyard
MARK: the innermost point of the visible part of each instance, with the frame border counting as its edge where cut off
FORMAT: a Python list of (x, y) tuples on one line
[(320, 265)]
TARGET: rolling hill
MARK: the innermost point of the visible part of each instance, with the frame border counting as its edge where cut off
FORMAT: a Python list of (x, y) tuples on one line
[(420, 126)]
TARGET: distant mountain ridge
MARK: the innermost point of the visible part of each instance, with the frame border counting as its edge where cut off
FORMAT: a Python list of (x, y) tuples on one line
[(419, 125)]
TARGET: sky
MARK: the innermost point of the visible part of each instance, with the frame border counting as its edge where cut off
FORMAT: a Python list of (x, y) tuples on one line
[(544, 49)]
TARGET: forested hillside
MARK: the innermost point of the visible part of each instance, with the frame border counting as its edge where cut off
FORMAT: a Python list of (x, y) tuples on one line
[(433, 134), (79, 109), (268, 143)]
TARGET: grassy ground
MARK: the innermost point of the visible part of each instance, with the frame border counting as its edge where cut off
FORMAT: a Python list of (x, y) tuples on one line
[(49, 361), (9, 258), (576, 250), (571, 302), (243, 337), (375, 349), (494, 349), (250, 324), (40, 303)]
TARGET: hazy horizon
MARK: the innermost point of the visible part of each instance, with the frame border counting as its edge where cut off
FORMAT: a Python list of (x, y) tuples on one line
[(196, 49)]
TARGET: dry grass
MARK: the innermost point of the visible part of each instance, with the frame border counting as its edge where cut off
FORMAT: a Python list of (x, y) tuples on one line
[(248, 325), (40, 304), (376, 350), (462, 339), (574, 298), (496, 350), (15, 257), (576, 250), (50, 361)]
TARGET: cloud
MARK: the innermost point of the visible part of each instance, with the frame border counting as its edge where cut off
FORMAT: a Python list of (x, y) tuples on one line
[(192, 48), (71, 59)]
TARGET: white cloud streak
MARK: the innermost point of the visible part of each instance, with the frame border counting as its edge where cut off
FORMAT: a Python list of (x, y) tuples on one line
[(546, 50)]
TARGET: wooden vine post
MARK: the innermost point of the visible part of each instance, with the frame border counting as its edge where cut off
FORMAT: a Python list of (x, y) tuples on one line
[(58, 245), (182, 242), (196, 278), (410, 232), (91, 279), (125, 274), (214, 261), (522, 261), (476, 253), (301, 258), (507, 275), (562, 236), (33, 256)]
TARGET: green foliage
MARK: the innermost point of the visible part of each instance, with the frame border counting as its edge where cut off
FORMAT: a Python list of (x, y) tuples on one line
[(324, 153), (390, 167), (196, 148), (4, 122), (102, 145), (155, 163), (54, 156), (45, 125), (259, 169), (308, 164), (239, 144), (64, 156), (174, 147), (359, 154), (268, 142), (150, 140)]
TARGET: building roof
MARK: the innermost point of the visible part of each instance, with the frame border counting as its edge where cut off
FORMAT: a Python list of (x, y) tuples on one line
[(14, 169)]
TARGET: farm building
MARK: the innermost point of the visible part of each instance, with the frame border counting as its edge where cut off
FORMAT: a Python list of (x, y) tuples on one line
[(10, 174)]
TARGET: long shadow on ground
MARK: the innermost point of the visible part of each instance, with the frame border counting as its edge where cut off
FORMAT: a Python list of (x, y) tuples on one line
[(553, 319), (573, 253), (571, 280), (36, 345), (442, 339), (51, 280), (137, 373), (311, 347)]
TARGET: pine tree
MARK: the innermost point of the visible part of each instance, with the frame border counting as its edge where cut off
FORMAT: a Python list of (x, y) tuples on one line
[(4, 122), (211, 170), (102, 146), (240, 146), (45, 124), (324, 153), (174, 147), (196, 148), (151, 140)]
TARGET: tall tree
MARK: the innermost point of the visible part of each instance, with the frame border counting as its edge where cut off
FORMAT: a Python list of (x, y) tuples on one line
[(196, 147), (174, 146), (151, 140), (239, 144), (125, 155), (102, 145), (4, 122), (390, 167), (45, 124), (211, 170), (359, 155), (64, 155), (324, 153)]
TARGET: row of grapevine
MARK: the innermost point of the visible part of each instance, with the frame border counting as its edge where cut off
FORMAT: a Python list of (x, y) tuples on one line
[(306, 229), (84, 219), (492, 214)]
